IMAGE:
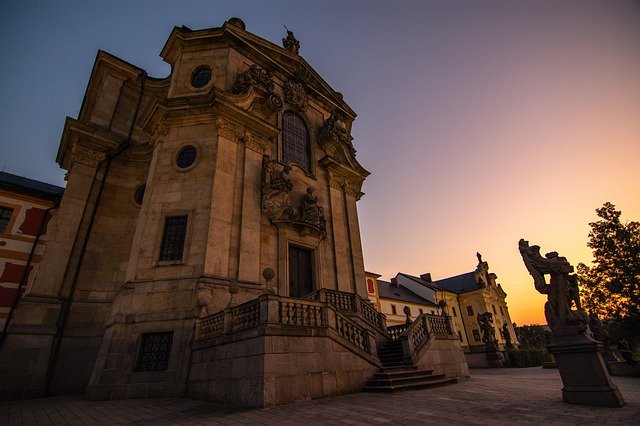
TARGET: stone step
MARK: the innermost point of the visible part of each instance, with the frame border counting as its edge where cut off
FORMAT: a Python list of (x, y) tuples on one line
[(399, 368), (422, 384), (402, 381), (400, 374)]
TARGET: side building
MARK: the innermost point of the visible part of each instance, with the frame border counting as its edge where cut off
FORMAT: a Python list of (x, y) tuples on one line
[(465, 296), (26, 207)]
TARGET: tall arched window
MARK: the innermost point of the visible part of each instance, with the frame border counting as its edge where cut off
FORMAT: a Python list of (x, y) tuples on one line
[(295, 141)]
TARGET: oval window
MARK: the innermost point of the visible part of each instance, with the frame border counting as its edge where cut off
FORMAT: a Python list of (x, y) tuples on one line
[(201, 77), (186, 157)]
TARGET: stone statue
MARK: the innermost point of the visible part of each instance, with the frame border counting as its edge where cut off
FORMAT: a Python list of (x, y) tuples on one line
[(407, 314), (627, 354), (562, 291), (311, 213), (276, 187), (485, 321), (600, 334), (578, 355), (291, 43), (507, 336)]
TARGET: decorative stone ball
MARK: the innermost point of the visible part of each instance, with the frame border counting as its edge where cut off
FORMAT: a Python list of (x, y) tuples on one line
[(233, 287), (442, 303), (268, 274), (407, 310), (237, 22)]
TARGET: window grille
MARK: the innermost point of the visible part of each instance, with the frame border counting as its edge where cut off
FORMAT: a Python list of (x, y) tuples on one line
[(5, 216), (186, 157), (295, 141), (175, 229), (155, 349)]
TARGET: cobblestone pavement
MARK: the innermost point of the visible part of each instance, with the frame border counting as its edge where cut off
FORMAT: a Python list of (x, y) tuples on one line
[(490, 396)]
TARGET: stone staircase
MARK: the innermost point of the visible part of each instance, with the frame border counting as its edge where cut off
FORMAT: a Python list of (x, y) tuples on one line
[(396, 376)]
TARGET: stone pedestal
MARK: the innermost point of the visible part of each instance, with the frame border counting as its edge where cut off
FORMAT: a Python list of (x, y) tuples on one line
[(495, 358), (584, 373)]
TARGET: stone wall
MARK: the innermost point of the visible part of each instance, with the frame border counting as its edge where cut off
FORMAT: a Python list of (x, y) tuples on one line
[(444, 355), (266, 370)]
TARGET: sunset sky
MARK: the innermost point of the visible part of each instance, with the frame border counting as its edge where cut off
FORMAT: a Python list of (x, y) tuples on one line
[(482, 122)]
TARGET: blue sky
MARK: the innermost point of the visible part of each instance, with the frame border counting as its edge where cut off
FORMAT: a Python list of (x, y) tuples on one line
[(481, 121)]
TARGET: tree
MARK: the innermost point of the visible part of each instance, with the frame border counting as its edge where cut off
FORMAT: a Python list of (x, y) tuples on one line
[(611, 287)]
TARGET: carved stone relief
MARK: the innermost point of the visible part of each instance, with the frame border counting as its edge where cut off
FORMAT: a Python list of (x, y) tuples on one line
[(295, 95), (332, 131), (276, 202), (86, 156), (261, 80)]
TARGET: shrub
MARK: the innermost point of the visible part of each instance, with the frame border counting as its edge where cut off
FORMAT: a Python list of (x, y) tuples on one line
[(520, 358)]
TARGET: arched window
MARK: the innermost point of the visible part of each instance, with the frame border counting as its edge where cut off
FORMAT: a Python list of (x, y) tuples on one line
[(295, 141)]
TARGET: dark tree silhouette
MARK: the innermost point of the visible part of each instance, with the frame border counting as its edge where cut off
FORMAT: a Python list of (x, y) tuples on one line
[(611, 287)]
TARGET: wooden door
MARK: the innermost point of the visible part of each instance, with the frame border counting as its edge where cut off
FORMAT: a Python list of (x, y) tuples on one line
[(300, 271)]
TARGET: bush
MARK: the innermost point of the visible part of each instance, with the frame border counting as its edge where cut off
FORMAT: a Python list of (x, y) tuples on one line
[(520, 358)]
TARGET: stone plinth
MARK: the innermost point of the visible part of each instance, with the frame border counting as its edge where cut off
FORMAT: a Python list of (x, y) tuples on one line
[(584, 374)]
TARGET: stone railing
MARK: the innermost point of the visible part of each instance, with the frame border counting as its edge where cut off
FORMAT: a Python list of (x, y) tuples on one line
[(238, 318), (439, 324), (353, 333), (301, 313), (415, 335), (284, 313), (395, 331), (350, 302)]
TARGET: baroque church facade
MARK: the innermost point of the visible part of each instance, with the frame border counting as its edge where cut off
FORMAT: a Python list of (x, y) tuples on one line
[(207, 244)]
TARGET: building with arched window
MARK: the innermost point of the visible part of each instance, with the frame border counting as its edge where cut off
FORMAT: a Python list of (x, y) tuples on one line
[(207, 244)]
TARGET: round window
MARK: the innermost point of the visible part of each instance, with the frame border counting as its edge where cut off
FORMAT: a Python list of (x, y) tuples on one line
[(186, 157), (139, 195), (201, 76)]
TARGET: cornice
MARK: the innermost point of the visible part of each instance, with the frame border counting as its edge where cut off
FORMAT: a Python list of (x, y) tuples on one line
[(85, 143)]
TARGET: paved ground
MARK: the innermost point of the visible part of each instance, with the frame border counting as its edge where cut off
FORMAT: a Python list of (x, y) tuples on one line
[(495, 396)]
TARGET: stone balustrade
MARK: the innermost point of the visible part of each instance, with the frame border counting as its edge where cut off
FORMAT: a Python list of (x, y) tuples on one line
[(285, 312), (350, 302), (415, 335)]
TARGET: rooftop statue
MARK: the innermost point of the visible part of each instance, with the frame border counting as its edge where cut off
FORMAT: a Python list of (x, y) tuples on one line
[(291, 43), (562, 290)]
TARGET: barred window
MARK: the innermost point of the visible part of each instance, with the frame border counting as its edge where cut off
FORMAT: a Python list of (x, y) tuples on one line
[(186, 157), (155, 349), (175, 229), (5, 216), (470, 311), (295, 141)]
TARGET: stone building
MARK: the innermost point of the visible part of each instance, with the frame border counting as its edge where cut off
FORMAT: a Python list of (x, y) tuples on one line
[(465, 295), (26, 207), (208, 242)]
